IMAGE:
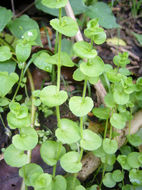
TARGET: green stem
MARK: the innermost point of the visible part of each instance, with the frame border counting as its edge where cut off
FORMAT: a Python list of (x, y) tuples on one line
[(84, 90), (58, 116), (110, 134), (54, 171), (17, 89), (104, 169), (106, 127), (33, 112)]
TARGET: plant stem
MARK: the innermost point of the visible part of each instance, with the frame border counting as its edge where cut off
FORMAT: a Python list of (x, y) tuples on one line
[(110, 134), (58, 116), (54, 171), (17, 89), (84, 90), (104, 169), (106, 127), (33, 112)]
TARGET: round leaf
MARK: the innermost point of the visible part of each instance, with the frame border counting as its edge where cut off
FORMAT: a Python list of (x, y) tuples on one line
[(109, 102), (59, 182), (70, 184), (120, 97), (110, 146), (135, 177), (68, 26), (80, 108), (50, 97), (70, 162), (65, 60), (117, 121), (132, 160), (94, 68), (108, 180), (134, 139), (102, 113), (23, 51), (15, 157), (14, 122), (79, 76), (69, 132), (49, 152), (41, 61), (122, 159), (84, 50), (43, 181), (5, 53), (117, 175), (30, 35), (54, 4), (91, 141), (26, 140), (28, 171)]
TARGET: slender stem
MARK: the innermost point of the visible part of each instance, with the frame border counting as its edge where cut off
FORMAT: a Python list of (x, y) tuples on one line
[(104, 169), (54, 171), (17, 89), (33, 112), (130, 124), (58, 116), (2, 121), (84, 90), (106, 127)]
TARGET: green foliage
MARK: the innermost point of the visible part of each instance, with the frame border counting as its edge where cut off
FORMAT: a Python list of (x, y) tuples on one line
[(138, 37), (69, 132), (102, 11), (54, 98), (108, 180), (66, 26), (110, 146), (54, 4), (49, 150), (8, 66), (71, 165), (5, 16), (20, 25), (5, 53)]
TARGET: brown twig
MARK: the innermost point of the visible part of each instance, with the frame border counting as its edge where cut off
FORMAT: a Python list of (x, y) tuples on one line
[(26, 9)]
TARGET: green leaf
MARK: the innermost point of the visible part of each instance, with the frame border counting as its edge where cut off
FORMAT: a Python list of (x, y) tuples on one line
[(138, 37), (103, 12), (94, 68), (7, 81), (84, 50), (20, 111), (15, 157), (5, 16), (134, 139), (70, 162), (69, 132), (77, 6), (4, 101), (20, 25), (80, 187), (120, 97), (65, 60), (28, 172), (90, 141), (110, 146), (125, 150), (117, 175), (70, 179), (80, 107), (44, 180), (117, 121), (122, 159), (108, 181), (8, 66), (132, 160), (30, 35), (54, 98), (79, 76), (102, 113), (93, 187), (49, 152), (67, 46), (108, 99), (26, 140), (59, 182), (96, 34), (23, 51), (135, 177), (121, 60), (14, 122), (5, 53), (41, 61), (54, 4), (68, 26)]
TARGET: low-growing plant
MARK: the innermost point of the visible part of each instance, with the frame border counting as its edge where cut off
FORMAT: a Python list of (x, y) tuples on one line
[(120, 101)]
